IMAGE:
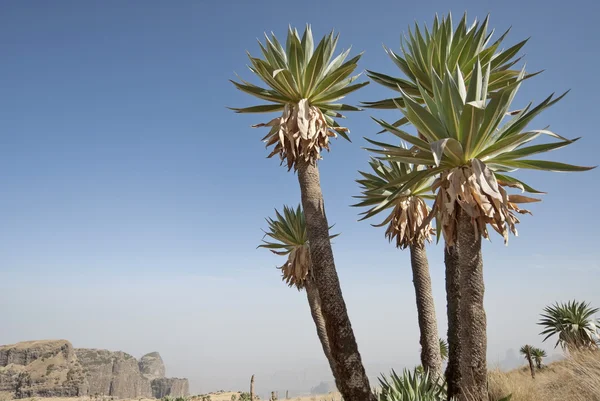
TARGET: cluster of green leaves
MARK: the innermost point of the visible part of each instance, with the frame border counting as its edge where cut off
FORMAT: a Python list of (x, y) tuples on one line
[(410, 386), (457, 93), (377, 185), (299, 71), (443, 349), (444, 50), (574, 324), (244, 396), (287, 231), (538, 355), (526, 350), (170, 398), (459, 124)]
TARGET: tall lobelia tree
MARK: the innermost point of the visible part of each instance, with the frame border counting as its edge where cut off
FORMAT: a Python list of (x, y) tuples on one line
[(527, 352), (287, 233), (438, 52), (405, 227), (457, 95), (304, 84)]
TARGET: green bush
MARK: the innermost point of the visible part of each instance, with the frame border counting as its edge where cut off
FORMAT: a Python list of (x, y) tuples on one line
[(244, 397), (411, 386)]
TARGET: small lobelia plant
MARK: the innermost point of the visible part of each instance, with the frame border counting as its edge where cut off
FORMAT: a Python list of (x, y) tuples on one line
[(527, 352), (244, 397), (411, 386), (538, 356), (574, 324)]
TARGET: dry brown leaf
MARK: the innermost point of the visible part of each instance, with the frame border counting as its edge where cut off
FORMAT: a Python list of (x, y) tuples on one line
[(475, 190), (408, 224), (522, 199), (297, 267), (299, 134)]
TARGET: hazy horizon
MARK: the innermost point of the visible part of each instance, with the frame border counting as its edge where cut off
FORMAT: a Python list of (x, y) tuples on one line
[(133, 200)]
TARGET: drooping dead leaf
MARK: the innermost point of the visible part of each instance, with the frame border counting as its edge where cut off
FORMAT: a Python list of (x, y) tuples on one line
[(300, 133), (407, 223), (297, 267), (475, 190)]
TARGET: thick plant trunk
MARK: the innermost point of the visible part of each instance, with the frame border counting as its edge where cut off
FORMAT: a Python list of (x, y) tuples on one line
[(473, 323), (314, 302), (455, 353), (531, 367), (352, 378), (431, 357), (252, 388)]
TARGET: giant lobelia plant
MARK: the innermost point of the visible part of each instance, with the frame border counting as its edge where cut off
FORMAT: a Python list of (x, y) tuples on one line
[(304, 84), (458, 95)]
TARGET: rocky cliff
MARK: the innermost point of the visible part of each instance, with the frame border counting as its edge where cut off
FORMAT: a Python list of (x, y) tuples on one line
[(41, 368), (153, 369), (115, 374), (152, 366), (164, 386), (55, 369)]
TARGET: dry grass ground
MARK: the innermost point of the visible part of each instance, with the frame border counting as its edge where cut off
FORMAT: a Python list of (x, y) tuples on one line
[(574, 379), (224, 396), (324, 397)]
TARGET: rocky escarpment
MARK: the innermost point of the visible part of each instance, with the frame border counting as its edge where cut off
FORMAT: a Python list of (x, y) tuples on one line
[(164, 386), (120, 375), (153, 369), (55, 369), (115, 374), (41, 368), (152, 366)]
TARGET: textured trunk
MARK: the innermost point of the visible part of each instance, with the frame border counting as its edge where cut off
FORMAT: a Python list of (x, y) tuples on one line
[(531, 367), (352, 378), (455, 353), (472, 313), (314, 301), (431, 357), (252, 388)]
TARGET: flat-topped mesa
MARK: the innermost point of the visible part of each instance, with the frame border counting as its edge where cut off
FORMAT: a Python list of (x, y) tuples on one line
[(47, 368)]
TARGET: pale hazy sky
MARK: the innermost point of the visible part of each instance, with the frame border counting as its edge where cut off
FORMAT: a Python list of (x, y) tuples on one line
[(132, 199)]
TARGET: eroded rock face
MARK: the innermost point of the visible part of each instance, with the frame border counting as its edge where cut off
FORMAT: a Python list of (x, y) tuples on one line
[(115, 374), (41, 368), (173, 387), (152, 366), (55, 369)]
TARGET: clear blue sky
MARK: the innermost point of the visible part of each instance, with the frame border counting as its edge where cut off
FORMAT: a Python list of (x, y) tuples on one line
[(132, 199)]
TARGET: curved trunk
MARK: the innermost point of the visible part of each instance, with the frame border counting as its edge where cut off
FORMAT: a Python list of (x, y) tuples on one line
[(531, 367), (351, 375), (453, 374), (431, 357), (314, 301), (471, 312)]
